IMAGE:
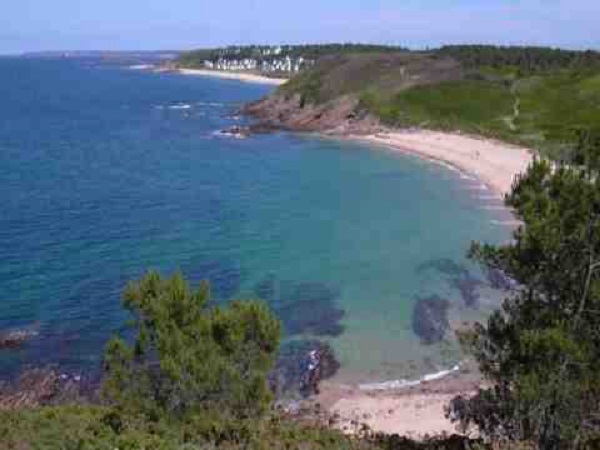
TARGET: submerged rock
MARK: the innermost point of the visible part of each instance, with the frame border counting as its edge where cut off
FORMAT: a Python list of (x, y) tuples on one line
[(499, 280), (458, 276), (445, 266), (430, 319), (235, 131), (223, 275), (467, 286), (304, 308)]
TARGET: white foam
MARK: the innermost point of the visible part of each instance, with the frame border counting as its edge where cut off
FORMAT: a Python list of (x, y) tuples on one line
[(495, 207), (216, 104), (477, 187), (403, 384), (180, 106), (506, 222), (141, 67)]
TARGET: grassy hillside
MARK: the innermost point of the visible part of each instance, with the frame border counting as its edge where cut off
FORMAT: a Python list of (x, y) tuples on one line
[(530, 96)]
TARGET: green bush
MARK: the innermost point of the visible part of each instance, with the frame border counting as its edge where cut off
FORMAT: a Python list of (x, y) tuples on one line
[(189, 355)]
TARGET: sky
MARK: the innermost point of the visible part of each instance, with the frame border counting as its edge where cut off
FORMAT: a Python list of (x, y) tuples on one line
[(42, 25)]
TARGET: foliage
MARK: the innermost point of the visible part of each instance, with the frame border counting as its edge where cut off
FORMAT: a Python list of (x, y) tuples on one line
[(196, 58), (188, 355), (541, 351), (97, 428), (525, 60)]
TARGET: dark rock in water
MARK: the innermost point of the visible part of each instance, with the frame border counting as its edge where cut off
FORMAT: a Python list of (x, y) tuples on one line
[(288, 375), (499, 280), (224, 277), (430, 319), (263, 128), (445, 266), (235, 131), (310, 309), (308, 317), (467, 287), (304, 308), (267, 289), (459, 277), (15, 339)]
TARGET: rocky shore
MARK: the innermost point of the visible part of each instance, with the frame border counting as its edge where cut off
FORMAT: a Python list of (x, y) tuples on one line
[(289, 112)]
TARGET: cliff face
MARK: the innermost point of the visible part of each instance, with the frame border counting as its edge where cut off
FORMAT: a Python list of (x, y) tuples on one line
[(339, 116), (326, 97)]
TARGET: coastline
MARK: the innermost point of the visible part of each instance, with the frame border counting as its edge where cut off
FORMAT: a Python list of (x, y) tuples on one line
[(417, 409), (493, 162), (246, 77)]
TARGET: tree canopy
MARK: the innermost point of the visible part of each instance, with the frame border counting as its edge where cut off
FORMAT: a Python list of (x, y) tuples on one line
[(189, 355), (541, 351)]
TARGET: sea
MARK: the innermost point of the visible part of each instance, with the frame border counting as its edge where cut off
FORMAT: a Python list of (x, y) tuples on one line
[(108, 172)]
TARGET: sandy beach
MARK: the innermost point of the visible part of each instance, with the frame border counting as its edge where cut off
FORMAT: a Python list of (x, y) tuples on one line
[(247, 77), (495, 163), (418, 411)]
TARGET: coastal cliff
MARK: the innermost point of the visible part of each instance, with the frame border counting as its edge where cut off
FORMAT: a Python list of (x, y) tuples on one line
[(338, 116)]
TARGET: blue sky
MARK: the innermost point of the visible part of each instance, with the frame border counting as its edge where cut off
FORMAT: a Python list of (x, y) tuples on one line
[(31, 25)]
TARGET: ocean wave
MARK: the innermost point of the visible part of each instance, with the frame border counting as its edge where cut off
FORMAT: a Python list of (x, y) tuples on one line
[(403, 384), (180, 106), (506, 222), (213, 104), (495, 207)]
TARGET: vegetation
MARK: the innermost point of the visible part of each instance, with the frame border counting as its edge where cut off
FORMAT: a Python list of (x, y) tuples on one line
[(196, 58), (525, 60), (189, 356), (99, 428), (524, 95), (541, 351)]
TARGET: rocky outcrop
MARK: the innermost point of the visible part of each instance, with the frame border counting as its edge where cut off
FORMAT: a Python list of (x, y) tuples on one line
[(38, 387), (308, 308), (468, 287), (14, 339), (430, 319), (288, 375), (499, 280), (289, 112)]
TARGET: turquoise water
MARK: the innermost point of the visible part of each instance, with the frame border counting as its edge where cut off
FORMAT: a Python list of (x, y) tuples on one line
[(106, 172)]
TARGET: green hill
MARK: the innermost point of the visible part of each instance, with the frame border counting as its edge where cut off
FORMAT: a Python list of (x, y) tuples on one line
[(532, 96)]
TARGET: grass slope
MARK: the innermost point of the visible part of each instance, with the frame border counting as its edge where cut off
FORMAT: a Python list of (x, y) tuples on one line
[(534, 102)]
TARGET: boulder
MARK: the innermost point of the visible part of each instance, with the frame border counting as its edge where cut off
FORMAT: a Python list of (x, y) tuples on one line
[(288, 375)]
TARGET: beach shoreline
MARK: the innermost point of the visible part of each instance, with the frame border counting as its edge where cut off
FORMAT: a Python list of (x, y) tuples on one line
[(239, 76), (494, 163), (417, 411)]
